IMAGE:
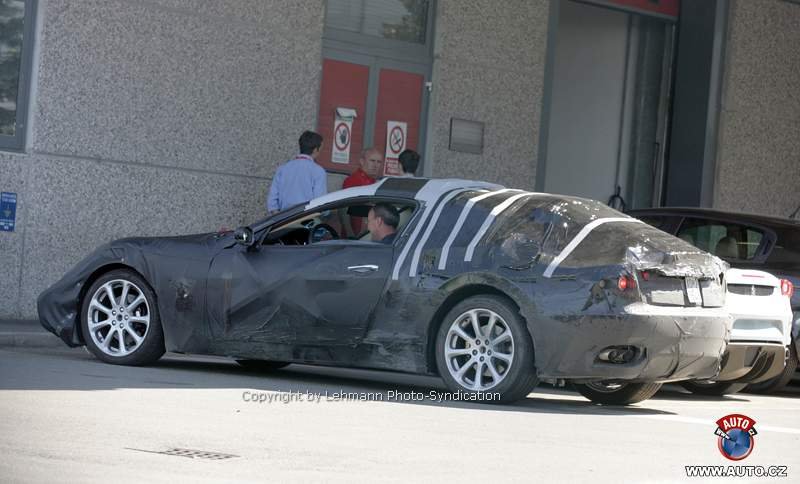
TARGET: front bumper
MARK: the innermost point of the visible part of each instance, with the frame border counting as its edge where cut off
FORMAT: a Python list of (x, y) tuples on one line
[(675, 343), (752, 362), (58, 311)]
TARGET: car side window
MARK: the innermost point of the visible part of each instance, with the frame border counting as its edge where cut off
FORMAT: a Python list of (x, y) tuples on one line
[(345, 222), (723, 239)]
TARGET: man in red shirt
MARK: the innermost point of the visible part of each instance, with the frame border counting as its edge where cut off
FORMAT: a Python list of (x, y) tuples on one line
[(371, 169)]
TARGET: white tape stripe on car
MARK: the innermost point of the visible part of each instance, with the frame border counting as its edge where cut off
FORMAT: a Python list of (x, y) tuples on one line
[(460, 223), (488, 223), (412, 271), (430, 203), (360, 191), (579, 238)]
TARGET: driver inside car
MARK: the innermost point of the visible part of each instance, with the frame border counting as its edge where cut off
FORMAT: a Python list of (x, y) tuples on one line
[(382, 222)]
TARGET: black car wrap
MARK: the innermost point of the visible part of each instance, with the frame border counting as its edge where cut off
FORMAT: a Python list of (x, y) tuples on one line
[(558, 258)]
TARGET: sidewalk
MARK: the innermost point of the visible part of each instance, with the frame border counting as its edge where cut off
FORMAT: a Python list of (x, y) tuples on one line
[(26, 333)]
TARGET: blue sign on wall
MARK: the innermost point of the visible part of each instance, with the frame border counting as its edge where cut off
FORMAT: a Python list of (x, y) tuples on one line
[(8, 211)]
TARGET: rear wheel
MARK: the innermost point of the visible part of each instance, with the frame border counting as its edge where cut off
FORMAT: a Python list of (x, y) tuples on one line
[(262, 365), (776, 384), (483, 346), (119, 320), (712, 388), (611, 393)]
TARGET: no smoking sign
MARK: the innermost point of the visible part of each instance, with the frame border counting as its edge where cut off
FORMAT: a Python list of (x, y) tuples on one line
[(396, 138)]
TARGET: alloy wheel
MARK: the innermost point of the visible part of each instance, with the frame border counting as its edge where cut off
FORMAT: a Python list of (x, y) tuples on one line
[(479, 349), (118, 317)]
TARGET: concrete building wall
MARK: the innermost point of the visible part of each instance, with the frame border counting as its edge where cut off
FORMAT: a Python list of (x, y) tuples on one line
[(153, 117), (758, 156), (489, 61)]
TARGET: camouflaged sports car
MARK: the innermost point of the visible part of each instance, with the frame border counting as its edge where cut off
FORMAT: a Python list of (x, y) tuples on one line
[(490, 288)]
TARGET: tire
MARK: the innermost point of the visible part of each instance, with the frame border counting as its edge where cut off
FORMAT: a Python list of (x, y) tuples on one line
[(514, 374), (261, 366), (712, 389), (137, 316), (617, 394), (779, 382)]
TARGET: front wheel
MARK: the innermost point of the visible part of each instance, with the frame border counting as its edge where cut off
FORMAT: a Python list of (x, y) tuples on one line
[(119, 320), (610, 393), (483, 346), (712, 388)]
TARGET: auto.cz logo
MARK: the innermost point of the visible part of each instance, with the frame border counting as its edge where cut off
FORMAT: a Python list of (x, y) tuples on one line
[(737, 471), (736, 441), (736, 436)]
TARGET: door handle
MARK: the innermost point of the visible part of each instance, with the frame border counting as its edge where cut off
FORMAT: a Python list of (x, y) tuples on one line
[(363, 269)]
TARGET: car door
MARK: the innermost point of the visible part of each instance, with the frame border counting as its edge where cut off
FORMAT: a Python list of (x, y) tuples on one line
[(317, 294)]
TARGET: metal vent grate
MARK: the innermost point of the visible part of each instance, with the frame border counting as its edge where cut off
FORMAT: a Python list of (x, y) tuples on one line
[(750, 289), (190, 453)]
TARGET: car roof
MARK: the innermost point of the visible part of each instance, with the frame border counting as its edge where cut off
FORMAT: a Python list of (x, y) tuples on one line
[(423, 189), (719, 214)]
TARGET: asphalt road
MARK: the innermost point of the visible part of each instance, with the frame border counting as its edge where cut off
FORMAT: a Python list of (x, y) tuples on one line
[(65, 417)]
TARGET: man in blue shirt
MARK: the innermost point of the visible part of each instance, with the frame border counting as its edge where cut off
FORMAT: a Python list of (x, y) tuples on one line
[(299, 179)]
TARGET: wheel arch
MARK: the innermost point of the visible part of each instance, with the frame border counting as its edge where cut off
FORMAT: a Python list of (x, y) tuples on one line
[(459, 289), (94, 276)]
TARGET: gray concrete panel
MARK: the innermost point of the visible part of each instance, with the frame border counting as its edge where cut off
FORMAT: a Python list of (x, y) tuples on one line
[(13, 177), (489, 67), (224, 87), (77, 205), (759, 143)]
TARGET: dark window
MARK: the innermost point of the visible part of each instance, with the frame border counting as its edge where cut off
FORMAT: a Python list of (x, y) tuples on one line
[(786, 249), (654, 221), (404, 20), (16, 19), (726, 240)]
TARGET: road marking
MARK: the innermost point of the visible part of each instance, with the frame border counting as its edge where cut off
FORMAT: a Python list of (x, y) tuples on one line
[(709, 423)]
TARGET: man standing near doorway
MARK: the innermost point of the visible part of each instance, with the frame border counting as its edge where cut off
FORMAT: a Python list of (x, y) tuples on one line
[(299, 179), (409, 161), (370, 169)]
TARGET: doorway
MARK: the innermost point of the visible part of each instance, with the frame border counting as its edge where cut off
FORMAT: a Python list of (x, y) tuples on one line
[(608, 105), (376, 68)]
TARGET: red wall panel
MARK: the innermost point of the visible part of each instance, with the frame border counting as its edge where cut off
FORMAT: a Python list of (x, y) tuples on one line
[(343, 85), (399, 99), (670, 8)]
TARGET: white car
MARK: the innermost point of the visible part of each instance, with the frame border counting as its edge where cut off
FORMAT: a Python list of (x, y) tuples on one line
[(759, 304)]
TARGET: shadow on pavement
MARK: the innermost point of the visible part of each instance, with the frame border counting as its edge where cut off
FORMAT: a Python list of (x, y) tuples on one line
[(75, 369)]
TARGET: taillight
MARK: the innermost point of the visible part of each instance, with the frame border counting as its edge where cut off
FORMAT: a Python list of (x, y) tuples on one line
[(787, 288), (625, 282)]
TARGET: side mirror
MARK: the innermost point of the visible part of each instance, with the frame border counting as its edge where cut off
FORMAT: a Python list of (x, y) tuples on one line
[(244, 236)]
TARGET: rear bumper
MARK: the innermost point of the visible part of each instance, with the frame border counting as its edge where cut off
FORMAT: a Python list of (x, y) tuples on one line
[(675, 343), (752, 362)]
